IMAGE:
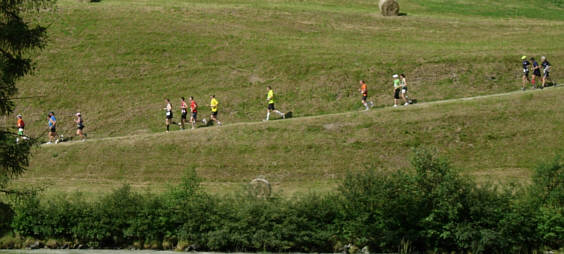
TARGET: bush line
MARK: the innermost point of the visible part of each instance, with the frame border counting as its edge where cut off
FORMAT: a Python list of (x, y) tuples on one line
[(430, 207)]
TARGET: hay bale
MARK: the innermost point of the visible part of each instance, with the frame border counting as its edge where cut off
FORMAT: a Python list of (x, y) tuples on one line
[(389, 7)]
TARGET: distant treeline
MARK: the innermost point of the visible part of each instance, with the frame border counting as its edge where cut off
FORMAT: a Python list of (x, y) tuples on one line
[(430, 207)]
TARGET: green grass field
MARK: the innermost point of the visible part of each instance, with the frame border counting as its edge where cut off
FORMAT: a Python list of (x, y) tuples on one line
[(496, 139), (115, 61)]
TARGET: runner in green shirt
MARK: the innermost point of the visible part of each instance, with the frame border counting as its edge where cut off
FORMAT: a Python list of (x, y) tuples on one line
[(397, 89), (270, 100)]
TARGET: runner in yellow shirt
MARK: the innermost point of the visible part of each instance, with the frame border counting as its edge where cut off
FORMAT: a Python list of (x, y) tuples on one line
[(270, 100), (213, 106)]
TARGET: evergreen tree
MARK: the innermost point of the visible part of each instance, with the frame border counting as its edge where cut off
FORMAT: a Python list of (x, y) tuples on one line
[(18, 37)]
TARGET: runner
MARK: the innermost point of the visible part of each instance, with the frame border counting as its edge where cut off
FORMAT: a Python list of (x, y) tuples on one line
[(364, 91), (403, 84), (184, 111), (168, 110), (271, 108), (21, 126), (536, 72), (525, 72), (79, 126), (52, 128), (397, 88), (213, 106), (546, 71), (194, 111)]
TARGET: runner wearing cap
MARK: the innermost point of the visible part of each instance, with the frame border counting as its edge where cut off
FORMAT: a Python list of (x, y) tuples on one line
[(21, 126), (525, 72), (397, 89), (79, 126)]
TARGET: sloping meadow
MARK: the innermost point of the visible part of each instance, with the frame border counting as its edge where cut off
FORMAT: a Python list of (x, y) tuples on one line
[(116, 61)]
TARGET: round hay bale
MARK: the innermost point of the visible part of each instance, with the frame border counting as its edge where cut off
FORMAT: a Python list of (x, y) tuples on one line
[(389, 7), (260, 187)]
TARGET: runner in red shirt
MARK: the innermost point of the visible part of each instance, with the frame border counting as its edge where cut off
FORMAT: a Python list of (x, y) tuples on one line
[(194, 110)]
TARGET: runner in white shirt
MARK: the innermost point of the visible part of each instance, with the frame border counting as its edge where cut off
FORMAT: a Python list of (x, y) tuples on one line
[(168, 114)]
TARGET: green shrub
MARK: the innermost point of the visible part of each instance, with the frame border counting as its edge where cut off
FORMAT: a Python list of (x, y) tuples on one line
[(547, 193), (6, 215), (429, 208)]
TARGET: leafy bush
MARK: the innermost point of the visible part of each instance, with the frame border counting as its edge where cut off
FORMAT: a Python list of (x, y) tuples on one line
[(429, 208), (547, 193), (6, 215)]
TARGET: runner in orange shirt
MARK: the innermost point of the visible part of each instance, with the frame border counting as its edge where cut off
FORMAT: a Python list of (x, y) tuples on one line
[(364, 91), (21, 126), (194, 111)]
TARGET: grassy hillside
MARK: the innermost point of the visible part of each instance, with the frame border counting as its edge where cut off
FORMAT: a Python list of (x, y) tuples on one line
[(115, 61), (497, 138)]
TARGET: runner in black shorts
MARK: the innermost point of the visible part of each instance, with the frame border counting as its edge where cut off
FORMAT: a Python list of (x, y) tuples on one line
[(536, 72), (364, 91), (546, 71), (270, 101), (397, 94), (52, 128), (397, 89), (80, 126), (184, 112), (214, 109), (194, 111), (168, 110), (525, 72)]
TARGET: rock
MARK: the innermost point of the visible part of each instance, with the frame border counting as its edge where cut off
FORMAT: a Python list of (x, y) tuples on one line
[(192, 247), (156, 245), (167, 245), (346, 248), (52, 244), (146, 246), (36, 245), (353, 249), (389, 7), (365, 250), (65, 246), (137, 245), (182, 246)]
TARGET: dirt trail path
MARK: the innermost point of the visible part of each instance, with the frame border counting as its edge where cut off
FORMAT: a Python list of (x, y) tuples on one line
[(417, 105)]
